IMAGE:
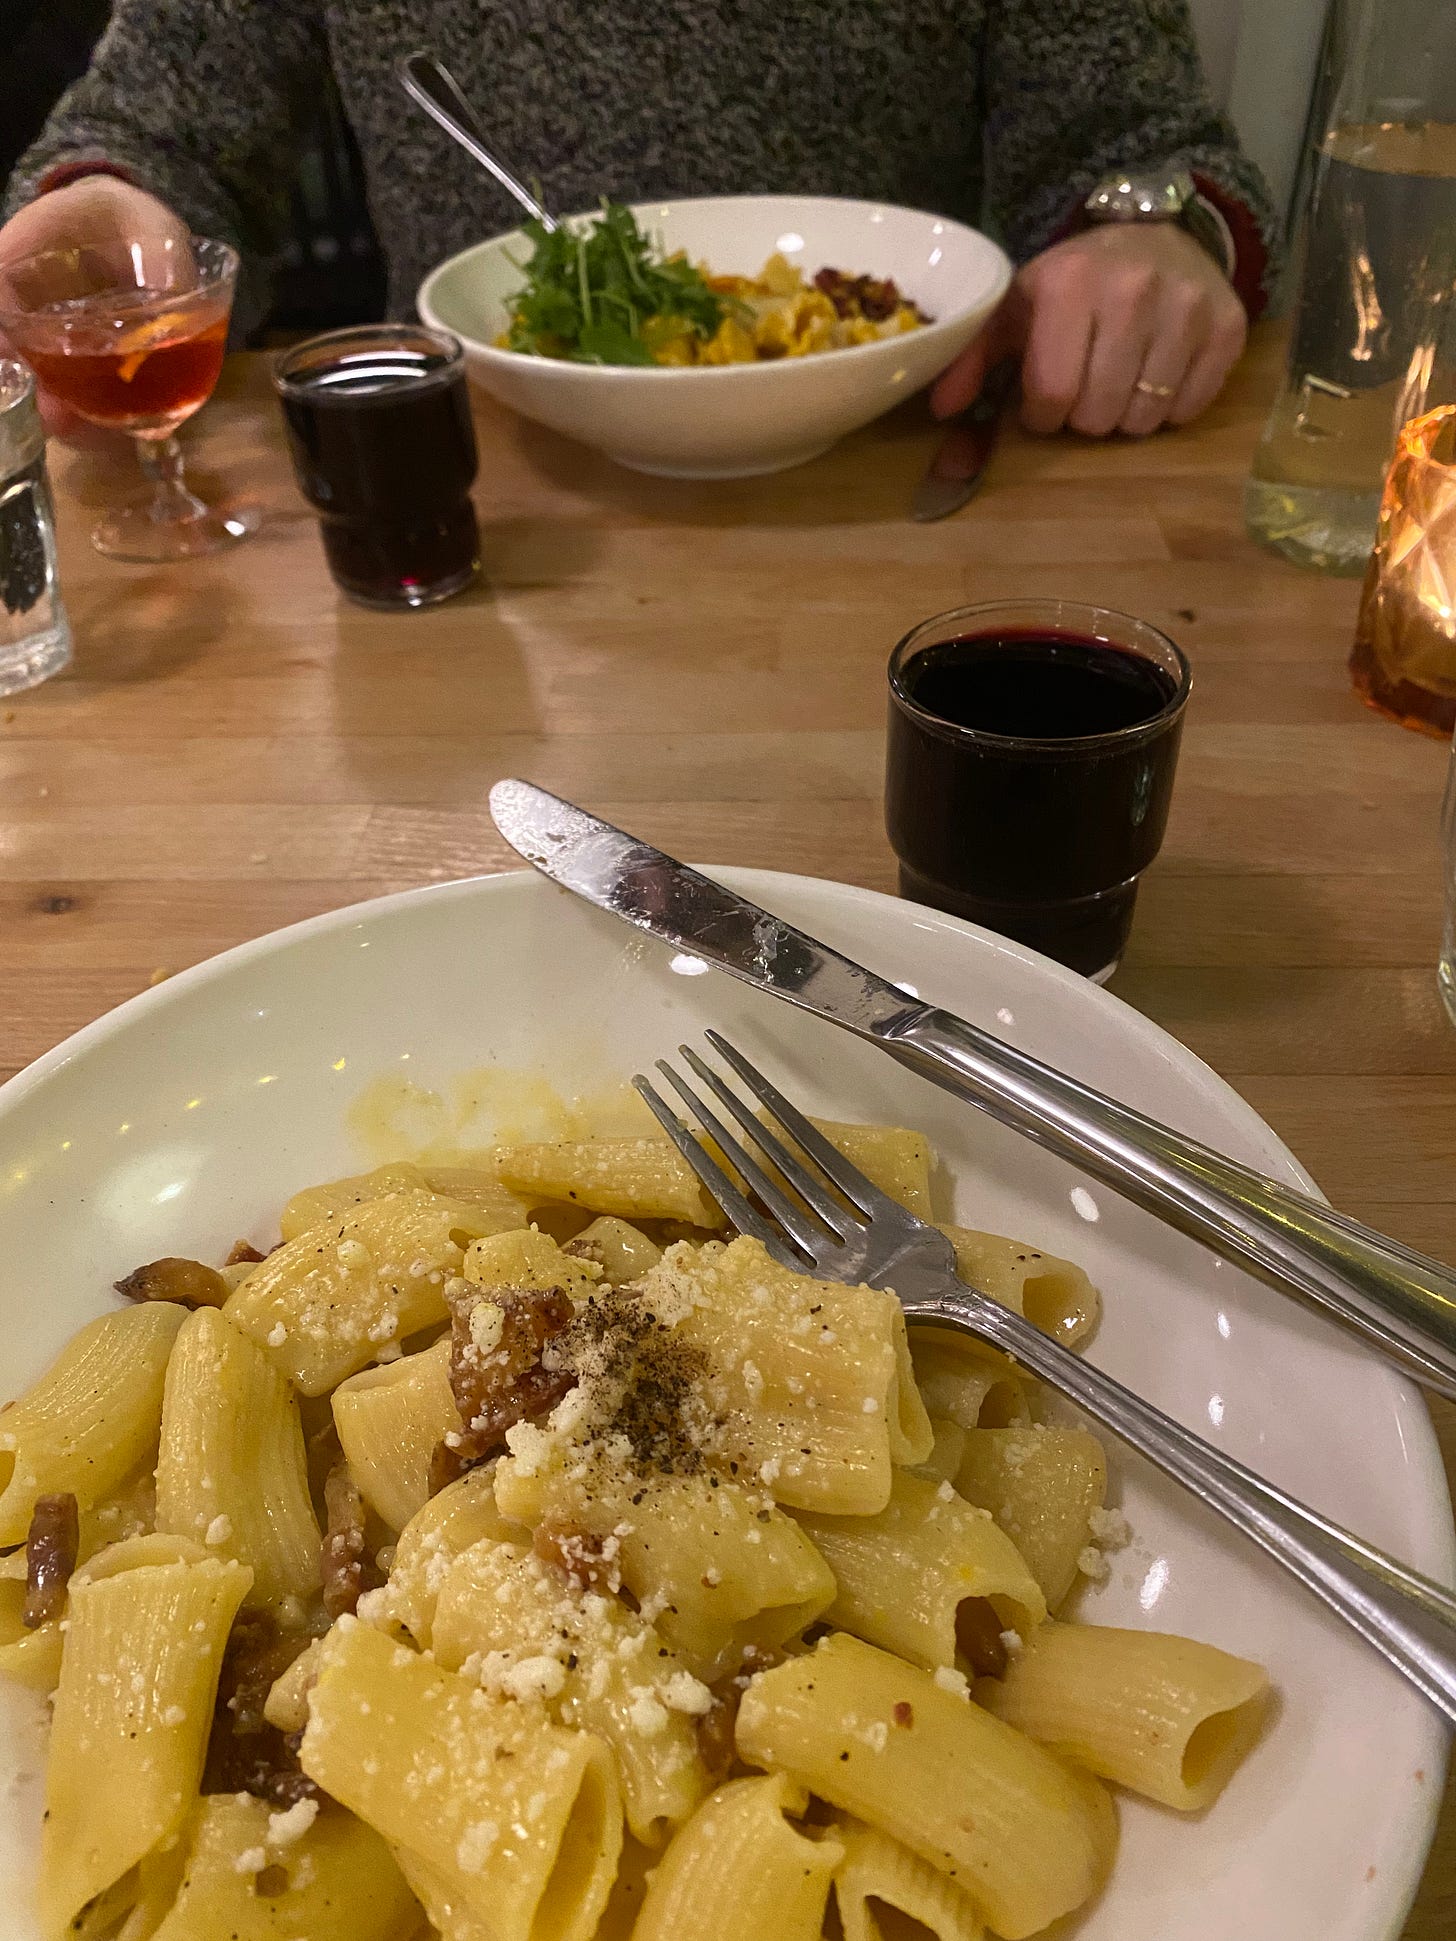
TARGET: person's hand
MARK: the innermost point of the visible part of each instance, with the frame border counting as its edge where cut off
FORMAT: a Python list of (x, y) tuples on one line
[(1123, 327), (95, 209)]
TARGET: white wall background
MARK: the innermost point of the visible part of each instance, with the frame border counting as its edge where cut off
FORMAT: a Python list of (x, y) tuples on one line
[(1261, 57)]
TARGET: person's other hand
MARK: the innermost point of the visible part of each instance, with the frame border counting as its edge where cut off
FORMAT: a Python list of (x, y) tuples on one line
[(1123, 327), (95, 209)]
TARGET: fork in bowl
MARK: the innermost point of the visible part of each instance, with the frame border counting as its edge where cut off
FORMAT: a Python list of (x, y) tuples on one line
[(841, 1227)]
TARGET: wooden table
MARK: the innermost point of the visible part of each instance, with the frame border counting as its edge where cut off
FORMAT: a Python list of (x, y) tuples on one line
[(237, 747)]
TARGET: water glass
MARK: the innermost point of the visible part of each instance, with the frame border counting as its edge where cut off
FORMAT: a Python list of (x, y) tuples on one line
[(1370, 344), (35, 639)]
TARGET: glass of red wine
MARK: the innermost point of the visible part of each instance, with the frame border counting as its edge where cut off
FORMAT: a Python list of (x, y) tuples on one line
[(1032, 745), (383, 445), (130, 335)]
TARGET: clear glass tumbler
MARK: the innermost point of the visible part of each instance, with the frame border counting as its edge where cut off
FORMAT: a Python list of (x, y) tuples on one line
[(1369, 344), (35, 639)]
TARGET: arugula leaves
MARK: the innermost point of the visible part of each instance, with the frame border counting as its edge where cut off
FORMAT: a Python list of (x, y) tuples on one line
[(587, 297)]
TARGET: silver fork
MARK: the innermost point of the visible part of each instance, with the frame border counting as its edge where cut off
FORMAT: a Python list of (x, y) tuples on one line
[(843, 1228)]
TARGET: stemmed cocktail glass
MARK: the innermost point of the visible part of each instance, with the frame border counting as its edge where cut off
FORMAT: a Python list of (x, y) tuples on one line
[(130, 335)]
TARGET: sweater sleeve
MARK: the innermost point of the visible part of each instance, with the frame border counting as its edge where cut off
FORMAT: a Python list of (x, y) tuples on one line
[(1075, 91), (199, 101)]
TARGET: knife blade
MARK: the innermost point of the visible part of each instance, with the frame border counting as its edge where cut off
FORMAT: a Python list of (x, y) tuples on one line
[(1397, 1301), (959, 465), (633, 880)]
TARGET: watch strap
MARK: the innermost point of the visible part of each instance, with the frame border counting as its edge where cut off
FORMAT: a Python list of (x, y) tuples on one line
[(1206, 224)]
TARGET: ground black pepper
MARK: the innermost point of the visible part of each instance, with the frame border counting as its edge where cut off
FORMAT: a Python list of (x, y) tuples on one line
[(643, 1380)]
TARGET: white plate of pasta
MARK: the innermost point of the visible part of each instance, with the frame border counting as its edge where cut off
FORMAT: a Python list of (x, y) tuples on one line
[(449, 1526)]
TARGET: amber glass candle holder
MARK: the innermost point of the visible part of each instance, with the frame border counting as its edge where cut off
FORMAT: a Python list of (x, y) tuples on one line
[(1404, 658)]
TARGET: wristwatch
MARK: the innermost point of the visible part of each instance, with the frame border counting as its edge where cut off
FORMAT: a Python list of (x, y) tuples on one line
[(1164, 195)]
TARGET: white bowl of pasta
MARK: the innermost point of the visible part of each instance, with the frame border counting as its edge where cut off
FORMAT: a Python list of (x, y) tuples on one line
[(516, 1702), (736, 419)]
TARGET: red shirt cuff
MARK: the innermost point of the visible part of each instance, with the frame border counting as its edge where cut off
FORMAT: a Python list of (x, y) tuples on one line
[(66, 172)]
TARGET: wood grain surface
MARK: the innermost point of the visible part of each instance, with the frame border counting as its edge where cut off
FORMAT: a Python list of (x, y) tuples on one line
[(237, 747)]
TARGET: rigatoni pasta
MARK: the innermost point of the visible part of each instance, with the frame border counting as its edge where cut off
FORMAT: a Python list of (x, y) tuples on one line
[(894, 1158), (1023, 1835), (90, 1418), (1163, 1716), (390, 1421), (807, 1370), (741, 1851), (649, 1604), (904, 1577), (332, 1880), (964, 1383), (526, 1628), (878, 1878), (724, 1571), (132, 1711), (635, 1178), (1054, 1295), (448, 1524), (230, 1470), (1042, 1485), (325, 1303), (515, 1818), (493, 1207)]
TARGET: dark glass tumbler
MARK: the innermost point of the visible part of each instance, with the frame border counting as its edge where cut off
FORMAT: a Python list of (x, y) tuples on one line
[(1032, 745), (383, 444)]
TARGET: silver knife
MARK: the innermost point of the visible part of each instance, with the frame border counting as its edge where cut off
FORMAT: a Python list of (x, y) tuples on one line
[(1398, 1301), (955, 472)]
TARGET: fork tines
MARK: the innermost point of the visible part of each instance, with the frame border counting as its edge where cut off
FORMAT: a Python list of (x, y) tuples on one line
[(819, 1218)]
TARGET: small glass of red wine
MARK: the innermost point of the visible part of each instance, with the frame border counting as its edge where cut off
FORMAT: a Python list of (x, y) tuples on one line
[(384, 448), (1032, 745)]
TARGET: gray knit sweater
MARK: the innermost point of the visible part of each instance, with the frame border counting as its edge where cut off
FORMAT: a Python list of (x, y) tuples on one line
[(998, 111)]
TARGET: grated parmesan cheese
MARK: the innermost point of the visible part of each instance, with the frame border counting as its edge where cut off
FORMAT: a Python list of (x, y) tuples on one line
[(1110, 1530), (684, 1693), (1092, 1564), (646, 1716), (473, 1848), (529, 1445), (525, 1678), (285, 1828)]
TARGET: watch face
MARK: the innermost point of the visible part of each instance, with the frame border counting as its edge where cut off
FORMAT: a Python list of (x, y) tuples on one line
[(1147, 197)]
